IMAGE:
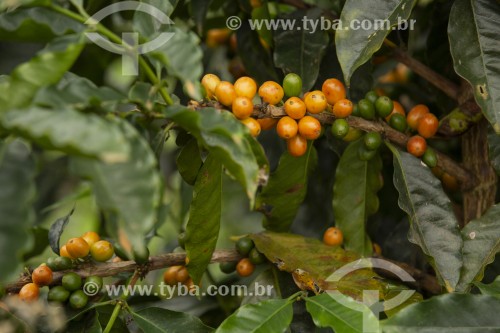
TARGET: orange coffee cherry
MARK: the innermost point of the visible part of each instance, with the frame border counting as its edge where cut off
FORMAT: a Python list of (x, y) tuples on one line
[(245, 87), (415, 114), (91, 237), (295, 108), (398, 108), (449, 182), (210, 82), (253, 125), (267, 123), (333, 236), (216, 37), (416, 146), (242, 107), (428, 125), (225, 93), (182, 275), (77, 247), (309, 128), (63, 252), (42, 276), (271, 92), (287, 127), (29, 292), (170, 275), (297, 146), (245, 267), (315, 102), (334, 90), (343, 108), (377, 249), (102, 251)]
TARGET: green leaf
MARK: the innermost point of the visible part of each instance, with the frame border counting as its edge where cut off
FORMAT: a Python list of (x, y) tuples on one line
[(69, 131), (492, 289), (226, 139), (41, 241), (47, 68), (327, 312), (318, 262), (300, 51), (88, 325), (447, 313), (433, 225), (199, 9), (78, 92), (12, 4), (56, 230), (481, 243), (356, 46), (286, 189), (274, 315), (158, 320), (189, 162), (202, 229), (355, 197), (255, 57), (262, 288), (17, 173), (475, 24), (132, 188), (262, 13), (35, 25), (181, 54)]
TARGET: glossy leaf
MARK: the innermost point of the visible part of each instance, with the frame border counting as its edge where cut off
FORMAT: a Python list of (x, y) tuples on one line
[(475, 24), (356, 46), (202, 229), (69, 131), (481, 243), (355, 197), (181, 53), (199, 9), (224, 137), (56, 230), (255, 57), (159, 320), (40, 237), (492, 289), (88, 325), (274, 315), (189, 162), (327, 312), (318, 262), (299, 50), (78, 92), (447, 313), (35, 24), (45, 69), (286, 189), (131, 189), (263, 287), (433, 225), (17, 173)]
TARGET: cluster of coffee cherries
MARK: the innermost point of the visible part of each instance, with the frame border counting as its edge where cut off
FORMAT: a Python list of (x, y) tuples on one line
[(298, 126), (70, 289), (245, 266), (177, 274)]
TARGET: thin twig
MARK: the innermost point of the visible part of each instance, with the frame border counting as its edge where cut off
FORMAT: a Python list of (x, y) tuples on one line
[(464, 177), (114, 268)]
